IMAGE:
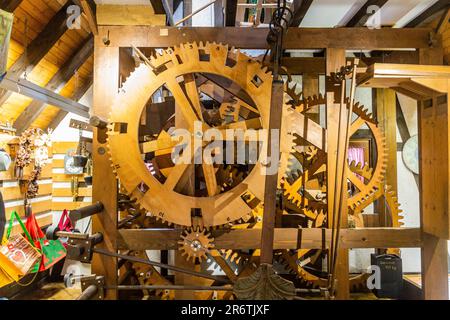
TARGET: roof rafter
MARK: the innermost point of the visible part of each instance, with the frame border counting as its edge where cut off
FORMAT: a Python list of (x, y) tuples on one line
[(38, 48), (56, 84), (431, 11), (301, 7), (361, 17), (158, 7), (10, 5), (78, 94), (230, 13)]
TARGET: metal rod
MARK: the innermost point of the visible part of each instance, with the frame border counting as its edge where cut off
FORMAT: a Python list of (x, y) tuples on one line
[(169, 287), (89, 293), (160, 265), (194, 13), (343, 179), (333, 221)]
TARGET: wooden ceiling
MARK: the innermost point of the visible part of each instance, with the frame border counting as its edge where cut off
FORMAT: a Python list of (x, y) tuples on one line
[(61, 60), (30, 20)]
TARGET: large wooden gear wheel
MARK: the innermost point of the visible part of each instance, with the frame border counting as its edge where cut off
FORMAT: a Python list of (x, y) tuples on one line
[(175, 69)]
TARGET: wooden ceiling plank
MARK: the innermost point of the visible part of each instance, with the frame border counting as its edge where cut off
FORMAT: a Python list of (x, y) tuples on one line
[(431, 11), (301, 7), (361, 17), (57, 83), (10, 5), (38, 48)]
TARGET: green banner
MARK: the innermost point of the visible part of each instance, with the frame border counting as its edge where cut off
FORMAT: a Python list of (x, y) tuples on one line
[(6, 22)]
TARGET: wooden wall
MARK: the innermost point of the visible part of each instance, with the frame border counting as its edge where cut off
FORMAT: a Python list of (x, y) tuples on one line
[(54, 192), (61, 182), (9, 186)]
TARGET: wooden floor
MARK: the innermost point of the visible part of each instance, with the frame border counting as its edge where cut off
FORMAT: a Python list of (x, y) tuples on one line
[(57, 291), (52, 291)]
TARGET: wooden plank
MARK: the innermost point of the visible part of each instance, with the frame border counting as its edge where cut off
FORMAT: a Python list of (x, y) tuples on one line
[(10, 5), (60, 206), (255, 38), (363, 14), (44, 220), (241, 239), (38, 207), (9, 175), (56, 84), (434, 192), (271, 180), (106, 81), (67, 192), (128, 15), (38, 48), (60, 177), (13, 193), (61, 147), (434, 268)]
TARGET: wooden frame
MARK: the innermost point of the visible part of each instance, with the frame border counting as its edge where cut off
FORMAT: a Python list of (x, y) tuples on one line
[(107, 44)]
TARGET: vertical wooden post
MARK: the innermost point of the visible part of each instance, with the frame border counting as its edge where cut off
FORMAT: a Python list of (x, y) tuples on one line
[(270, 193), (335, 60), (106, 80), (434, 188)]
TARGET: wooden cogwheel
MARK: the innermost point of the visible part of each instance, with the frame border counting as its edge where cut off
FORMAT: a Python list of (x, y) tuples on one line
[(175, 69)]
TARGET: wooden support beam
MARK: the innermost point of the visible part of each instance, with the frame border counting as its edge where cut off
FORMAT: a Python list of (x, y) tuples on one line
[(434, 189), (78, 94), (33, 91), (10, 5), (38, 48), (106, 82), (158, 7), (285, 238), (89, 9), (429, 13), (301, 7), (335, 61), (230, 13), (56, 84), (363, 14), (256, 38)]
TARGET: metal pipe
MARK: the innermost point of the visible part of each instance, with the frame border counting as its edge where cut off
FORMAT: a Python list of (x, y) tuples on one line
[(85, 212), (89, 293), (160, 265), (98, 123), (194, 13), (168, 287)]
